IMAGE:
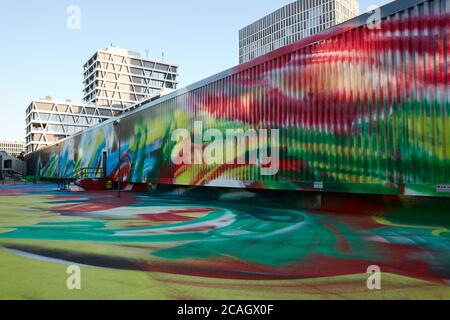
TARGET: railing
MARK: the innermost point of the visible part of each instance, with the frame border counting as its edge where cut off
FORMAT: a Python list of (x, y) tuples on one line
[(11, 176), (81, 173)]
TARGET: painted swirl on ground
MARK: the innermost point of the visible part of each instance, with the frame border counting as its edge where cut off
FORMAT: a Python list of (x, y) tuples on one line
[(236, 240)]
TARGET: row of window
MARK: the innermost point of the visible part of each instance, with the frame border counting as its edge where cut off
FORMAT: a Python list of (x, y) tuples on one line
[(310, 27), (136, 86), (62, 128), (11, 145), (89, 67), (156, 79), (250, 53), (67, 119), (295, 8), (315, 19), (11, 148)]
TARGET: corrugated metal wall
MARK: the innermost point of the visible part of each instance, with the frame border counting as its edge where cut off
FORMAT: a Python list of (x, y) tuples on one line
[(360, 109)]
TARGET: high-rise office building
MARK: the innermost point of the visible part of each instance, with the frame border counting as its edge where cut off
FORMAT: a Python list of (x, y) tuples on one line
[(48, 121), (115, 80), (117, 77), (13, 148), (291, 23)]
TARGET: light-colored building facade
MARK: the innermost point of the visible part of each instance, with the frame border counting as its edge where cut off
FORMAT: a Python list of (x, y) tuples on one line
[(48, 121), (117, 77), (13, 148), (115, 80), (291, 23)]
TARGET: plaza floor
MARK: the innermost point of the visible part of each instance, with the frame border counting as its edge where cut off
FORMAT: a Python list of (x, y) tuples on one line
[(144, 246)]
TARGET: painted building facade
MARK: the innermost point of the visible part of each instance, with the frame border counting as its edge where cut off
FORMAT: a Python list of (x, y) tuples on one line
[(359, 109)]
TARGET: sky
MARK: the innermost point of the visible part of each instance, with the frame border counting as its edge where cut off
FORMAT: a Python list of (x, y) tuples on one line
[(41, 56)]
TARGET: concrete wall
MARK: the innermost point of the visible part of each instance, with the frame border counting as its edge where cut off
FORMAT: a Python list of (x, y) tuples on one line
[(11, 164)]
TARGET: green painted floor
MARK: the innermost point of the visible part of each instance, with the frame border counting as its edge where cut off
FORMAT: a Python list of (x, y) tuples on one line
[(169, 247)]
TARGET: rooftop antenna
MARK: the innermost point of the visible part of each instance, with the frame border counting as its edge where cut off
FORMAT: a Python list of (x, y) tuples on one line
[(162, 56), (146, 53)]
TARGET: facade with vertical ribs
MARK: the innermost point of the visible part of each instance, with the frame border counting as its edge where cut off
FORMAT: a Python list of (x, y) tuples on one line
[(297, 20), (116, 77), (357, 108)]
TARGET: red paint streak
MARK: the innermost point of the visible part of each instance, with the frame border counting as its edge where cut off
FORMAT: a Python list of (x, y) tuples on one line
[(165, 217), (11, 193), (94, 202), (352, 204), (364, 56), (174, 215), (342, 244), (192, 210), (315, 266), (93, 184), (194, 229)]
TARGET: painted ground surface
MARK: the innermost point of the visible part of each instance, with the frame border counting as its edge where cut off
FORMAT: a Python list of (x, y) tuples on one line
[(235, 247)]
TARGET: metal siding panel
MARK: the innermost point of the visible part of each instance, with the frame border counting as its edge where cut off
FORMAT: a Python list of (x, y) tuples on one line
[(347, 106), (228, 106), (406, 71), (366, 106), (281, 110), (250, 122), (446, 88)]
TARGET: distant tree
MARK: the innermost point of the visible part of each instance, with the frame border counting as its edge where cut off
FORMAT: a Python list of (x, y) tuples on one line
[(21, 156)]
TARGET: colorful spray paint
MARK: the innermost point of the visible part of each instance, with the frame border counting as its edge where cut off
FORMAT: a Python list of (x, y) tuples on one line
[(359, 109), (235, 245)]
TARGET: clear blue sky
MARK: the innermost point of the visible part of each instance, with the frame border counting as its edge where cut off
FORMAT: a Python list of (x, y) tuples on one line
[(40, 56)]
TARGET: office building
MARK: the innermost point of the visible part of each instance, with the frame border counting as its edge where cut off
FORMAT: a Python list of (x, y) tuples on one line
[(13, 148), (115, 80), (291, 23), (116, 77), (48, 121)]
